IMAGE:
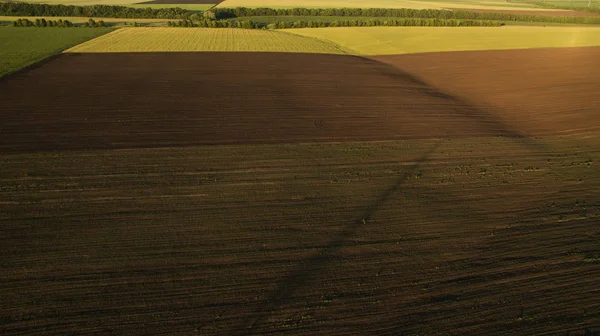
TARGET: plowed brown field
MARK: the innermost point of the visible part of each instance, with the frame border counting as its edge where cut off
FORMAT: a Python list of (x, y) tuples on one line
[(537, 91), (129, 225), (174, 99)]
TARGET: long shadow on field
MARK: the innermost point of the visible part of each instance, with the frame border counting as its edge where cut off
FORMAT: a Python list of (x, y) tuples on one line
[(481, 116), (300, 277)]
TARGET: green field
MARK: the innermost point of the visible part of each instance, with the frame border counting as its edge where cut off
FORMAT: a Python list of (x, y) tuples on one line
[(419, 4), (195, 39), (20, 47), (406, 40)]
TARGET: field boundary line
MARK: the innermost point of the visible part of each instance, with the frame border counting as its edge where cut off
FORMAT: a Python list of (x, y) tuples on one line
[(68, 51), (344, 50)]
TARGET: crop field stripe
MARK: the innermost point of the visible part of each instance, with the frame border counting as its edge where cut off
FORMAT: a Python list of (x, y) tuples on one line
[(345, 40), (407, 40), (204, 39)]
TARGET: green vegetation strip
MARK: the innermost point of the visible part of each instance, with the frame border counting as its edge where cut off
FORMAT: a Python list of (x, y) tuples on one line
[(242, 12), (169, 39), (407, 40), (20, 47), (28, 9), (411, 22), (286, 4)]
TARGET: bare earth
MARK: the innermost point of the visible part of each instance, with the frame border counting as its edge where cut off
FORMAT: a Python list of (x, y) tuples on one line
[(340, 195), (537, 91), (217, 98)]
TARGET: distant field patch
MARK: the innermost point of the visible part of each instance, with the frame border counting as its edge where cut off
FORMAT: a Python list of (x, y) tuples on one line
[(193, 39), (192, 5), (408, 40), (20, 47), (418, 4)]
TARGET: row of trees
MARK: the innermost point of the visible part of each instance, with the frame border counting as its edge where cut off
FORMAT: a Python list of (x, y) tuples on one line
[(42, 23), (31, 9), (56, 23), (338, 23), (95, 24), (390, 23), (226, 13), (208, 23)]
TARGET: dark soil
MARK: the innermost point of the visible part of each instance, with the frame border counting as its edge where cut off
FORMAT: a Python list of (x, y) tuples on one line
[(131, 100)]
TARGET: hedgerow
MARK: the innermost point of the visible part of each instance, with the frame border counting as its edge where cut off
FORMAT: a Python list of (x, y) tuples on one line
[(42, 23), (227, 13), (31, 9), (338, 23)]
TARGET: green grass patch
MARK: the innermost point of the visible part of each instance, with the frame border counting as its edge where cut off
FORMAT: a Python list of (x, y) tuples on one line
[(20, 47)]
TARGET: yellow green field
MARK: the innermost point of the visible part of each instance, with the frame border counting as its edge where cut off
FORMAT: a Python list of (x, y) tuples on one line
[(346, 40), (195, 39), (419, 4), (407, 40)]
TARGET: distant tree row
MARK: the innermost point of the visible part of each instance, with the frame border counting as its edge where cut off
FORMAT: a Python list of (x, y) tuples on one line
[(390, 23), (207, 23), (31, 9), (338, 23), (226, 13), (42, 23), (95, 24)]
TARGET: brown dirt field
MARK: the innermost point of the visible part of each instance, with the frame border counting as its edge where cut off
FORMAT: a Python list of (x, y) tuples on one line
[(468, 236), (464, 235), (526, 12), (79, 101), (537, 91), (182, 2)]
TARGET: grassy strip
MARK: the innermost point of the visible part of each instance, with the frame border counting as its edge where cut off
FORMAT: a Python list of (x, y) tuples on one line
[(21, 47)]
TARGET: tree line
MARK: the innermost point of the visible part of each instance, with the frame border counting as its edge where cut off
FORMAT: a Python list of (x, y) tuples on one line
[(240, 12), (91, 23), (31, 9), (42, 23), (412, 22)]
